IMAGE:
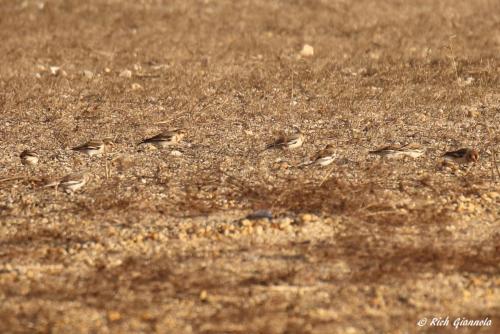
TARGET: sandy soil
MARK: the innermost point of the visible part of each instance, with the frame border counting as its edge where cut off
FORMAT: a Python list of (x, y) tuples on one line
[(158, 242)]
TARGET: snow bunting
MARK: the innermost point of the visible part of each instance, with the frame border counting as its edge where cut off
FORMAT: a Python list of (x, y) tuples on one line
[(28, 157), (462, 156), (166, 138), (412, 150), (71, 182), (288, 142), (93, 147), (324, 157)]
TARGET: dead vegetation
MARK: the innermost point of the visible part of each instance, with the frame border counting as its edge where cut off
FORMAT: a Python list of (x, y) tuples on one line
[(158, 240)]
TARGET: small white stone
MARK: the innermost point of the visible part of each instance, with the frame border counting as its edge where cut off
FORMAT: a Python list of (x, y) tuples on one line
[(307, 51), (176, 153), (136, 86), (126, 74), (54, 70)]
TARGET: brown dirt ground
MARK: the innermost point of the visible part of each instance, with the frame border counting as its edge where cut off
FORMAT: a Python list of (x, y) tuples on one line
[(366, 246)]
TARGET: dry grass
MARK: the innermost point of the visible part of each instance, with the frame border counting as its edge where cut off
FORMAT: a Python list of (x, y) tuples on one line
[(159, 242)]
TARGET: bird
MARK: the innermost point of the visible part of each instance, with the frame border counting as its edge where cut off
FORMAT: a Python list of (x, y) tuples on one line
[(462, 156), (93, 147), (29, 158), (323, 158), (411, 150), (71, 182), (166, 138), (288, 141)]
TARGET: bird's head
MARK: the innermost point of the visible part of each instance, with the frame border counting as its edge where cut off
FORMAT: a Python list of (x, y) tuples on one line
[(108, 142), (474, 156)]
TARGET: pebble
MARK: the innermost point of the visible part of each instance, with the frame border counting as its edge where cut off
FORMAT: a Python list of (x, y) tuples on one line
[(284, 223), (136, 86), (54, 70), (203, 295), (114, 316), (307, 218), (307, 51), (126, 74)]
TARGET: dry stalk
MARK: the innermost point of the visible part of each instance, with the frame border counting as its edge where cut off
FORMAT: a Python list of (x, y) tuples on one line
[(453, 58), (494, 163), (326, 176), (15, 178)]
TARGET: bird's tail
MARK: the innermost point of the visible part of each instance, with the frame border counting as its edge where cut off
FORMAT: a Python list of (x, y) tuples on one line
[(268, 147), (304, 164), (51, 184)]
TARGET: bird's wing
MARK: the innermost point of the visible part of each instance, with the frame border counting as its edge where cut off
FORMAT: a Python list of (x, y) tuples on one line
[(456, 154)]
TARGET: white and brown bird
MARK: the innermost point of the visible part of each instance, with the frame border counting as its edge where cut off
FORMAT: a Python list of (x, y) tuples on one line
[(288, 141), (411, 150), (462, 156), (29, 158), (94, 147), (166, 138), (71, 182), (323, 158)]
